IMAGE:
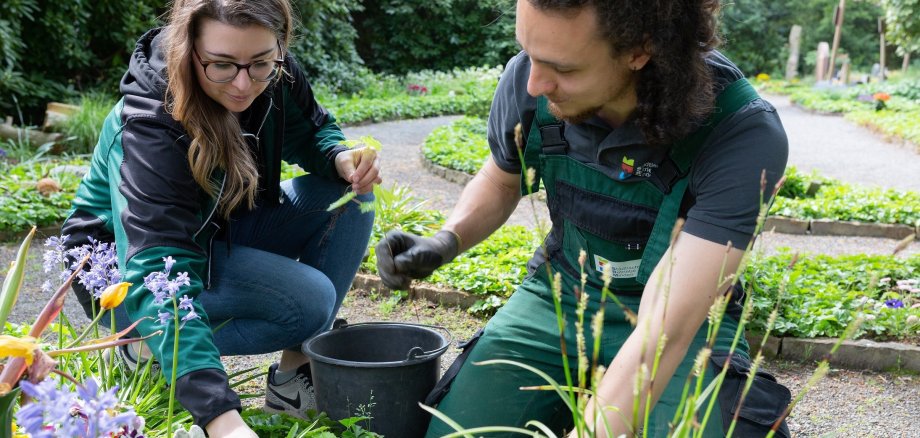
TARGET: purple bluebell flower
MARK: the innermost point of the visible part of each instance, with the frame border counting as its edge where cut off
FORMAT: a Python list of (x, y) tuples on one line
[(894, 303), (169, 261), (49, 406), (54, 257), (85, 413), (185, 303), (95, 408), (190, 316), (164, 317)]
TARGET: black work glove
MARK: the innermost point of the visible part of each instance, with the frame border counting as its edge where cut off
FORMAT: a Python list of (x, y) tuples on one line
[(403, 256)]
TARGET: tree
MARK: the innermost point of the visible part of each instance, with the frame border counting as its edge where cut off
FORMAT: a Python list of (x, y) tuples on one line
[(903, 26)]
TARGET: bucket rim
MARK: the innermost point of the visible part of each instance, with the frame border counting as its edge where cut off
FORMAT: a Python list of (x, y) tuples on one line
[(307, 349)]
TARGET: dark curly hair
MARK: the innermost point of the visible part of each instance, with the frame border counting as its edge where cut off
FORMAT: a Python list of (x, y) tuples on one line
[(675, 88)]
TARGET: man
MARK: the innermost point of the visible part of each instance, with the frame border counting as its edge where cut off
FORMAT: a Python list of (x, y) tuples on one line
[(632, 121)]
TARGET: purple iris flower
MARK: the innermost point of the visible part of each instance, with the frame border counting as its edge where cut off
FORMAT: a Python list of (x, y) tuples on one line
[(894, 304)]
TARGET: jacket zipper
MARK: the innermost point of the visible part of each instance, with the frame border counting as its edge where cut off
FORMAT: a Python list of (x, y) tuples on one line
[(220, 193)]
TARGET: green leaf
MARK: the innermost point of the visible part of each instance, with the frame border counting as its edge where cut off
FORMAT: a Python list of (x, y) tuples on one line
[(348, 196), (13, 281)]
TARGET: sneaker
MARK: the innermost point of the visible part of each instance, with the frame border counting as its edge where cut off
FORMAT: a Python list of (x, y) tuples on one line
[(294, 397)]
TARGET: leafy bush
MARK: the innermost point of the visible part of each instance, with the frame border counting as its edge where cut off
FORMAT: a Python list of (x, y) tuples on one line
[(397, 36), (52, 49), (820, 295), (461, 145), (325, 44)]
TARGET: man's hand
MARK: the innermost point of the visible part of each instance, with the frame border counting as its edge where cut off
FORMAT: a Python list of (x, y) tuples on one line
[(403, 256), (360, 167)]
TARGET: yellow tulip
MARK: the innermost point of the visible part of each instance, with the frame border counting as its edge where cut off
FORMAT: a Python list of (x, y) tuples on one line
[(23, 347), (113, 295)]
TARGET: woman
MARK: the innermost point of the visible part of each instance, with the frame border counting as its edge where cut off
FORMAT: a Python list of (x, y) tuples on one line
[(186, 178)]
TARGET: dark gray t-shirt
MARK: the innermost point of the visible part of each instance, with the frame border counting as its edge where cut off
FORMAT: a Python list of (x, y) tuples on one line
[(724, 178)]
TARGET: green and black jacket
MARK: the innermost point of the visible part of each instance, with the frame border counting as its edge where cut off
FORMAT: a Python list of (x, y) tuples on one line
[(139, 193)]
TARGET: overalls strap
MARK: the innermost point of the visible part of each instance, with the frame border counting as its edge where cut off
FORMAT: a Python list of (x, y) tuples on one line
[(733, 98)]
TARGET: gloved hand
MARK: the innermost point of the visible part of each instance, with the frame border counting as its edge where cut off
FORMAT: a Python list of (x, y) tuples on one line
[(403, 256)]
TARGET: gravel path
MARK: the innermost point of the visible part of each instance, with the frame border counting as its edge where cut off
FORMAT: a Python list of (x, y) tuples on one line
[(840, 149), (845, 403)]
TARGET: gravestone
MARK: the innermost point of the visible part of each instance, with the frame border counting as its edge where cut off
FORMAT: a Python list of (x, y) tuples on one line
[(795, 42), (824, 54)]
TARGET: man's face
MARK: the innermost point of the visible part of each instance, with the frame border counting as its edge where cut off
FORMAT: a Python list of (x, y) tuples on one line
[(573, 66)]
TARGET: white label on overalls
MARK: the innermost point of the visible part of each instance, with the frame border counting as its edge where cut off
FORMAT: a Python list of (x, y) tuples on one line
[(628, 269)]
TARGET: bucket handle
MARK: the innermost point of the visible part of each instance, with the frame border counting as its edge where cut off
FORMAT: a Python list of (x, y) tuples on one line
[(415, 352)]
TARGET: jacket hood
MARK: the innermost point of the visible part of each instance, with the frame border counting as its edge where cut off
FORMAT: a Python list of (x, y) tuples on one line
[(146, 76)]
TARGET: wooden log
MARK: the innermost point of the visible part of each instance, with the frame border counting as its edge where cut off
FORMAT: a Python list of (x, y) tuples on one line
[(36, 138)]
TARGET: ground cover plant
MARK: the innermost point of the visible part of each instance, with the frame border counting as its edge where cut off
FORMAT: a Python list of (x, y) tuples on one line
[(822, 295), (460, 145), (840, 201), (415, 95), (32, 194)]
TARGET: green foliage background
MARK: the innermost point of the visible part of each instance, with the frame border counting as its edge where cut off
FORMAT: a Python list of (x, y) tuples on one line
[(51, 50), (398, 36)]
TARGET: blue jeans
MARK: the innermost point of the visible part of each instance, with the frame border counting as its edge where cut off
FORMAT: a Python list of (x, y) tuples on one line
[(285, 272)]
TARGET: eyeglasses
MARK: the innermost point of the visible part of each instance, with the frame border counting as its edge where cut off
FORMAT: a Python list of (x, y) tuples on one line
[(224, 71)]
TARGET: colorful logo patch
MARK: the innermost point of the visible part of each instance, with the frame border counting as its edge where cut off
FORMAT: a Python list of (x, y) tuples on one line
[(627, 165)]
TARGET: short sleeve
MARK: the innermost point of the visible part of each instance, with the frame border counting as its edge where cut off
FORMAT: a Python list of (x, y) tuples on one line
[(725, 179), (509, 106)]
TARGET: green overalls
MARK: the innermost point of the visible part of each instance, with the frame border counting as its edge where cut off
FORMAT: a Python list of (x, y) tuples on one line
[(626, 225)]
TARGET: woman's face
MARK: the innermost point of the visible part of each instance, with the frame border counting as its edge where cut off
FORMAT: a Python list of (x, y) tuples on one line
[(219, 44)]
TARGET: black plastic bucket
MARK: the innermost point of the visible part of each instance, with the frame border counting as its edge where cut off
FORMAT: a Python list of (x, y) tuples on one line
[(384, 368)]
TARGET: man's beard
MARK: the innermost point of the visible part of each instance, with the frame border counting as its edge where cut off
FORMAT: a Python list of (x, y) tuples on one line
[(572, 119)]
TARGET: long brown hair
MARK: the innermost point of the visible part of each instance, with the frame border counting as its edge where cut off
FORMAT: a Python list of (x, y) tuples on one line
[(216, 141), (675, 88)]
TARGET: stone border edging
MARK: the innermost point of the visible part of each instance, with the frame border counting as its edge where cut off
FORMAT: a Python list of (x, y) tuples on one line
[(861, 355), (452, 175), (826, 227)]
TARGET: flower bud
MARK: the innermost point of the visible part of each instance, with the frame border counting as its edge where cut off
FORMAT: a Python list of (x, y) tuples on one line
[(113, 295)]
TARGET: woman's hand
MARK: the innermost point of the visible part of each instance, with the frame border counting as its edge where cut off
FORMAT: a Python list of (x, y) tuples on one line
[(360, 167), (229, 425)]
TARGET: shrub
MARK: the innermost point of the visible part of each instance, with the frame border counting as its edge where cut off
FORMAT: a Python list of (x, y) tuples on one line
[(397, 36), (50, 50)]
